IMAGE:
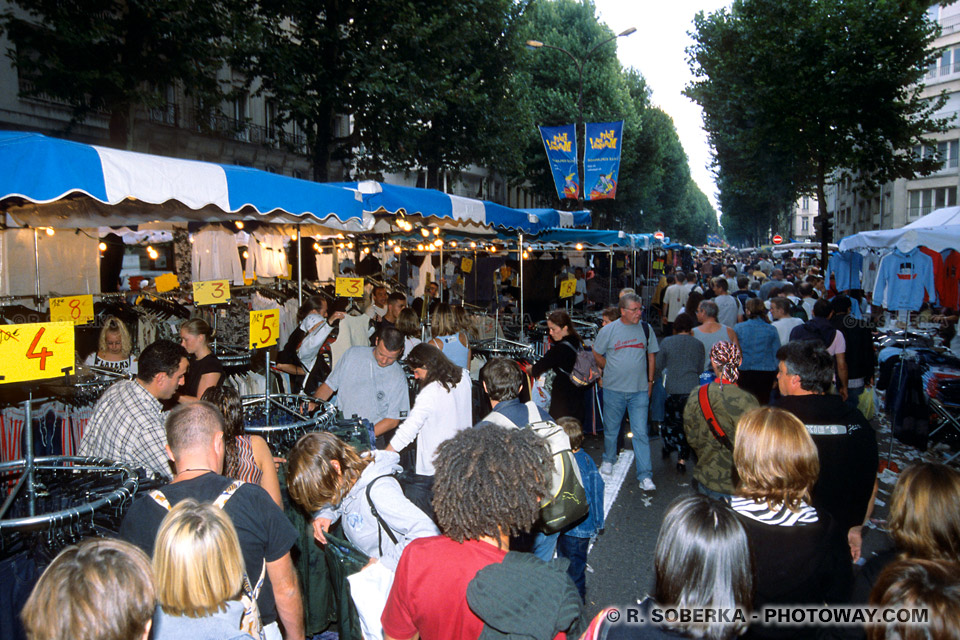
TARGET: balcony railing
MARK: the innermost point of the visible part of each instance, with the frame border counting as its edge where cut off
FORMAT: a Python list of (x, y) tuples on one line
[(224, 126)]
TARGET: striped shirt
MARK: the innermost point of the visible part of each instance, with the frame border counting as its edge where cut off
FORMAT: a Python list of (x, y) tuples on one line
[(782, 517), (247, 469)]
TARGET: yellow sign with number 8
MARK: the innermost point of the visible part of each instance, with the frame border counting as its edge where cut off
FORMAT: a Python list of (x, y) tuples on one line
[(264, 328), (568, 288), (75, 309)]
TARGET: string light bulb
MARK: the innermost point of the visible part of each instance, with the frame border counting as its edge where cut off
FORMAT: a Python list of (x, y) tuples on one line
[(420, 247), (316, 246), (50, 231), (453, 243), (366, 249), (246, 255), (239, 224), (389, 243), (436, 231), (473, 245), (525, 255), (349, 245), (579, 247), (293, 236), (103, 246), (396, 249), (425, 233)]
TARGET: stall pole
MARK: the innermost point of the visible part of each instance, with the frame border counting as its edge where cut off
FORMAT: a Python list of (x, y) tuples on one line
[(440, 278), (610, 280), (520, 258), (28, 456), (635, 269), (266, 389), (299, 267), (36, 263)]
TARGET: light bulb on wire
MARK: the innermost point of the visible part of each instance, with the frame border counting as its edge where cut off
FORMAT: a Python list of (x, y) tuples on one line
[(425, 232)]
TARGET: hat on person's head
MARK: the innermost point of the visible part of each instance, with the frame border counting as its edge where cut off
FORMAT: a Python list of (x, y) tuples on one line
[(727, 357)]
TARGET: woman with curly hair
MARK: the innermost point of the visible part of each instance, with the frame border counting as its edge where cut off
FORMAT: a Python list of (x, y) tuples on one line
[(801, 555), (113, 348), (247, 457), (489, 483)]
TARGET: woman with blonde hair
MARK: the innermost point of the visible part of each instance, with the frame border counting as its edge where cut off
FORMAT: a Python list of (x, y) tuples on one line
[(202, 591), (449, 337), (99, 589), (924, 522), (113, 348), (801, 555), (196, 336)]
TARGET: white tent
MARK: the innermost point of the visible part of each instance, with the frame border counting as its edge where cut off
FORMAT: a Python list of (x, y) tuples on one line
[(938, 230)]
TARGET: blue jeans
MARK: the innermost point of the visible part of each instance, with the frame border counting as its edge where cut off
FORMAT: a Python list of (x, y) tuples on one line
[(544, 544), (575, 550), (615, 404), (853, 396)]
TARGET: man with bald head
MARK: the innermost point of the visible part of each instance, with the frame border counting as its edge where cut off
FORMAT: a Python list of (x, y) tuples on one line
[(195, 446)]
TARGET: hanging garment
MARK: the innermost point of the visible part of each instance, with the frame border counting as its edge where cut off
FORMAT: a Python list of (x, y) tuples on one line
[(937, 271), (325, 267), (902, 280), (871, 266), (268, 257), (354, 332), (951, 279), (845, 267), (215, 256)]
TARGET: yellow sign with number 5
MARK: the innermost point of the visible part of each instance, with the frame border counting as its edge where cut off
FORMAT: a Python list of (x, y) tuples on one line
[(36, 351), (264, 328)]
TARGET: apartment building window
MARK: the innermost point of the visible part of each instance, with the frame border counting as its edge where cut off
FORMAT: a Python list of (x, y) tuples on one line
[(806, 203), (923, 201), (949, 151), (805, 224)]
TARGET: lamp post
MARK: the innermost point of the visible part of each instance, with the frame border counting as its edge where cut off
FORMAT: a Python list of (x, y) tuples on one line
[(579, 62)]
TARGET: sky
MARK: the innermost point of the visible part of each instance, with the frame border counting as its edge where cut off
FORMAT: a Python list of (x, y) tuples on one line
[(657, 50)]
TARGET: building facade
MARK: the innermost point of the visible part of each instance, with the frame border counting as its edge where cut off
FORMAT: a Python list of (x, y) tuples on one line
[(902, 201)]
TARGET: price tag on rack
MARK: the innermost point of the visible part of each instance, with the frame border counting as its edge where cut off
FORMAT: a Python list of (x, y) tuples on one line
[(75, 309), (349, 287), (211, 291), (36, 351), (568, 288), (466, 265), (167, 282), (264, 328)]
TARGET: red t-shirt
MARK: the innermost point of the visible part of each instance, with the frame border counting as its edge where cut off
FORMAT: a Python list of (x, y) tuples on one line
[(951, 275), (429, 593)]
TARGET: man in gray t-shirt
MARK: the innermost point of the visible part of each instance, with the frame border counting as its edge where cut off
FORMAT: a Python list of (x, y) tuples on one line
[(369, 383), (626, 350)]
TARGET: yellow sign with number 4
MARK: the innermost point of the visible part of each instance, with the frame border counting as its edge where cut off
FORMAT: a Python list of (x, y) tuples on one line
[(264, 328), (36, 351)]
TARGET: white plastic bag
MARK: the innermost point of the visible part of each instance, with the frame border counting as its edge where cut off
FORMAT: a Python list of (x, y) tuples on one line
[(369, 589)]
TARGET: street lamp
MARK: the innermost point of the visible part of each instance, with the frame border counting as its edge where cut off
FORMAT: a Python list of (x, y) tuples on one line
[(536, 44)]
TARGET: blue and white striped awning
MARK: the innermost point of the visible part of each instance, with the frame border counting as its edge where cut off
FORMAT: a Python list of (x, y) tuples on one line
[(52, 182), (554, 218), (380, 198)]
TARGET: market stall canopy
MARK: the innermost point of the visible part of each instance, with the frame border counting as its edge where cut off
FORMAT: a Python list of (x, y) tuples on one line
[(554, 218), (938, 230), (589, 238), (49, 182), (808, 248), (444, 209)]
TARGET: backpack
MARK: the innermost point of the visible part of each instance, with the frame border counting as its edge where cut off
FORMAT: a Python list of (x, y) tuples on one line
[(566, 500), (250, 621), (585, 370)]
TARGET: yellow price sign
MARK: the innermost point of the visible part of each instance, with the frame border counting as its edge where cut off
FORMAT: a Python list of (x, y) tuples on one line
[(349, 287), (75, 309), (568, 288), (167, 282), (466, 265), (211, 291), (36, 351), (264, 328)]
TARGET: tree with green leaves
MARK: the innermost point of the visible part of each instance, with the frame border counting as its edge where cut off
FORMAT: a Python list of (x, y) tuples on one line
[(794, 92), (113, 57)]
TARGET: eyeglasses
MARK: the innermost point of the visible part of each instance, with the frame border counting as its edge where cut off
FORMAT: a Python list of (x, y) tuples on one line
[(633, 308)]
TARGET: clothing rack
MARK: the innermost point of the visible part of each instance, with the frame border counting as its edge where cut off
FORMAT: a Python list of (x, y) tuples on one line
[(281, 431)]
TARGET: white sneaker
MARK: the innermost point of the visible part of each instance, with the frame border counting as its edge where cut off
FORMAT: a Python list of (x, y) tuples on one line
[(606, 468), (647, 485)]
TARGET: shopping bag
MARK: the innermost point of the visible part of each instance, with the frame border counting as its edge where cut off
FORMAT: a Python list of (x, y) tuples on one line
[(369, 589), (866, 403)]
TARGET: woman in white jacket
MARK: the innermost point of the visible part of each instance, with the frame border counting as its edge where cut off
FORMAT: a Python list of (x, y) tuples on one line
[(443, 408)]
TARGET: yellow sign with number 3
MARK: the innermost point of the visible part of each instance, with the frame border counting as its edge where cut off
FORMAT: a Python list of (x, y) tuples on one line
[(75, 309), (211, 291), (350, 287), (264, 328), (36, 351)]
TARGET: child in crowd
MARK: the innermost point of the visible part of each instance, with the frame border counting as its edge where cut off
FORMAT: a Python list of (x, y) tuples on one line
[(610, 314), (572, 543)]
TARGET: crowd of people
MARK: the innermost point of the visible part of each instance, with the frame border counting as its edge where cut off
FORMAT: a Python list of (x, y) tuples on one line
[(759, 394)]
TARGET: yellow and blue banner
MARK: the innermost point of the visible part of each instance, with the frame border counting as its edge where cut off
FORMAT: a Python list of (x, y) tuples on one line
[(561, 145), (601, 161)]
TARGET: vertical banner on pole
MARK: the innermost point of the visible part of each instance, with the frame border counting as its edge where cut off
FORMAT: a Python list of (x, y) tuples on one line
[(561, 146), (601, 159)]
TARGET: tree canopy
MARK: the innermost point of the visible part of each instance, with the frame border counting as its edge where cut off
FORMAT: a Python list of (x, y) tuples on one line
[(795, 92)]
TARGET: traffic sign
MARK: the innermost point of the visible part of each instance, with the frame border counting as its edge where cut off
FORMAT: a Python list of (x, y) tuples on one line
[(658, 235), (777, 239)]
